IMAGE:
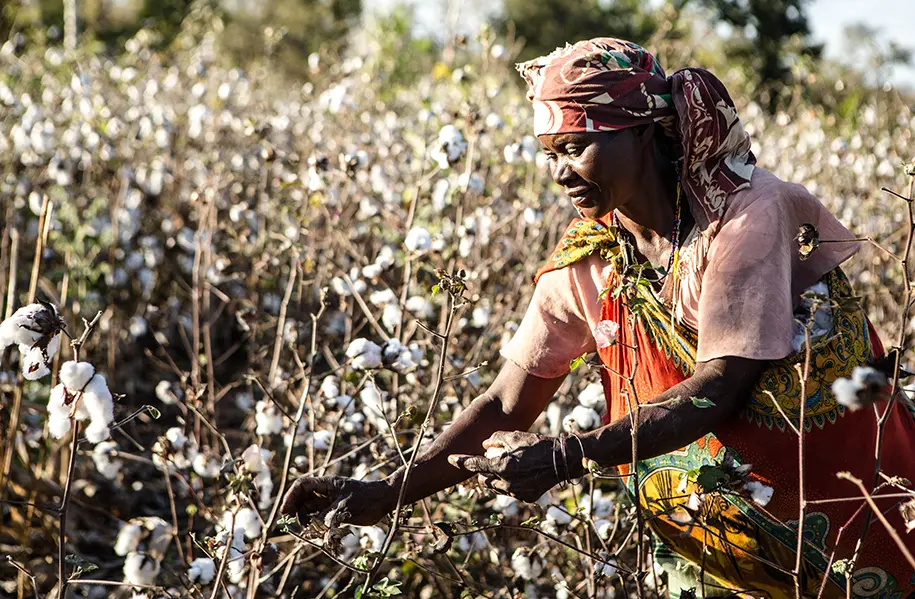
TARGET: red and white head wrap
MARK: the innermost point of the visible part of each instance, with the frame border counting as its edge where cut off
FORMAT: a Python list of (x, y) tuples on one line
[(606, 84)]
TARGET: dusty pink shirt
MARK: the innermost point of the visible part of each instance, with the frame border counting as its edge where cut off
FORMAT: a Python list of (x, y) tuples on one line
[(740, 294)]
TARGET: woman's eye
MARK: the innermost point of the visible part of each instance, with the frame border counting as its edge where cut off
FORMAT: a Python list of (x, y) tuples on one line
[(574, 150), (550, 156)]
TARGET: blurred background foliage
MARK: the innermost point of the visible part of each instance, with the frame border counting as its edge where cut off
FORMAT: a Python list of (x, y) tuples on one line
[(767, 40)]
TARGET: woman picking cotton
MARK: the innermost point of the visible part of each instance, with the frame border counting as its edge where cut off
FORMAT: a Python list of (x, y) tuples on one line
[(683, 274)]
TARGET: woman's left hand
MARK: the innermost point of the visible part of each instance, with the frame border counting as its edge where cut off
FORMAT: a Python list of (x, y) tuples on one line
[(521, 464)]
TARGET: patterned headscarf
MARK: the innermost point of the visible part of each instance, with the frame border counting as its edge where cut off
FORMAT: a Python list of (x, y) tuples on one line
[(606, 84)]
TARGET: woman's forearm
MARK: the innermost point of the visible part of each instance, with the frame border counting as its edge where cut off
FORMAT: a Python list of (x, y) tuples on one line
[(432, 472), (672, 420)]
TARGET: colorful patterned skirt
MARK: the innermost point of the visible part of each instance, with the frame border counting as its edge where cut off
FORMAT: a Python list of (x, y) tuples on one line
[(722, 543)]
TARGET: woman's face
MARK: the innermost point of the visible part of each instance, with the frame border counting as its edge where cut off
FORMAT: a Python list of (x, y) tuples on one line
[(599, 171)]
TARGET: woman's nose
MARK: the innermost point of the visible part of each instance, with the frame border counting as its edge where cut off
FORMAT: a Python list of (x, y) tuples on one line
[(563, 173)]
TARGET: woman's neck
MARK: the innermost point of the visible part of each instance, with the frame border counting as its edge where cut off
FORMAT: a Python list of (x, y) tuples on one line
[(650, 218)]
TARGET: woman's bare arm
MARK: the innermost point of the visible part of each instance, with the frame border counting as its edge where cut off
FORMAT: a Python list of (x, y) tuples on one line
[(670, 421), (512, 403), (677, 421)]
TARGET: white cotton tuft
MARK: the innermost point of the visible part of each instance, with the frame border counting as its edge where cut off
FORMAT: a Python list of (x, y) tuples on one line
[(36, 361), (418, 239), (526, 564), (246, 520), (592, 397), (759, 492), (365, 354), (256, 458), (97, 432), (58, 427), (76, 375), (371, 538), (16, 330), (506, 505), (268, 418), (207, 466), (202, 571), (168, 393), (391, 316), (141, 569), (557, 515), (581, 419), (128, 538), (607, 569), (58, 413), (106, 464), (97, 401), (330, 387)]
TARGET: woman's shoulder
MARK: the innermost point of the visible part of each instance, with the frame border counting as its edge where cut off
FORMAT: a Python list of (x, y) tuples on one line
[(768, 188)]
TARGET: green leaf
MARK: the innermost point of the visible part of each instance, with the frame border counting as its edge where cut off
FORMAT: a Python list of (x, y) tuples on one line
[(711, 478), (436, 289), (577, 361), (387, 588), (531, 522), (154, 412), (702, 402)]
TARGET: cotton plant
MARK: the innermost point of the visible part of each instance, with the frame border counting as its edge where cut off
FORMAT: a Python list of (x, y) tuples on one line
[(450, 147), (256, 462), (35, 329), (174, 450), (82, 394), (268, 418), (143, 542), (104, 456)]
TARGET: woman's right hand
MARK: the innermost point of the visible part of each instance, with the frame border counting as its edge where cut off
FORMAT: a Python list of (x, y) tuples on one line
[(365, 502)]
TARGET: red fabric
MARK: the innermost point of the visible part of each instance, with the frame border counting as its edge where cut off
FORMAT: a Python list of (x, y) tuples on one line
[(847, 445)]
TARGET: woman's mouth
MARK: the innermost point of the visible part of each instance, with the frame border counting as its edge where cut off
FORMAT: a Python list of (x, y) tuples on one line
[(579, 196)]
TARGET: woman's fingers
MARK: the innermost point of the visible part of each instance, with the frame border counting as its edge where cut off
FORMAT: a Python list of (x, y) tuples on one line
[(308, 495), (472, 463), (499, 485)]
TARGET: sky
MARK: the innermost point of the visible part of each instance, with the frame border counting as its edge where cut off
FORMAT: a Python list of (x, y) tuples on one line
[(894, 18), (828, 18)]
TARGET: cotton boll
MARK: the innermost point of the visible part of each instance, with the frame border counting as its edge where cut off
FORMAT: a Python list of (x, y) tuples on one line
[(385, 258), (176, 438), (76, 375), (256, 458), (168, 393), (36, 361), (506, 505), (604, 527), (607, 568), (382, 297), (247, 520), (58, 427), (104, 461), (526, 564), (759, 492), (372, 271), (24, 326), (391, 317), (418, 239), (141, 569), (98, 402), (330, 387), (419, 307), (128, 538), (593, 397), (581, 419), (597, 505), (371, 538), (268, 418), (207, 466), (202, 571), (322, 440), (365, 354), (557, 515), (97, 432)]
